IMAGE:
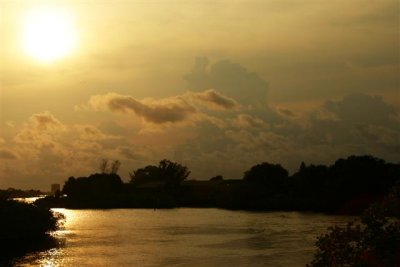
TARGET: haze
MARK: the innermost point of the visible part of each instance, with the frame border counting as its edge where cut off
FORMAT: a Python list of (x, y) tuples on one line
[(216, 85)]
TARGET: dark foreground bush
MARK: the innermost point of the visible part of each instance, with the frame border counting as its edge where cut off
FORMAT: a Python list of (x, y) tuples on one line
[(373, 241), (25, 227)]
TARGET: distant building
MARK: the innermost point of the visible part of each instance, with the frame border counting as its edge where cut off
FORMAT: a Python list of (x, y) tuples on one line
[(55, 188)]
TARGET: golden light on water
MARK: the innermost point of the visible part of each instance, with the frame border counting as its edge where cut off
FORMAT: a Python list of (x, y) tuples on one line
[(48, 33)]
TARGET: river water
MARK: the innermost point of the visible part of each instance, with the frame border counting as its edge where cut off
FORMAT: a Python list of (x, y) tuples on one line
[(184, 237)]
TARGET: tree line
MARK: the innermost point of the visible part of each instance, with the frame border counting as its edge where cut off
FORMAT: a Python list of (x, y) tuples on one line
[(347, 186)]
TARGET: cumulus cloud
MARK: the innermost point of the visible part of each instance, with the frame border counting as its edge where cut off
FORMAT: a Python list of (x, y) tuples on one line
[(214, 100), (28, 135), (230, 79), (362, 108), (45, 121), (260, 140), (379, 134), (286, 112), (86, 145), (174, 109), (41, 130), (7, 154), (139, 153), (245, 120), (90, 132)]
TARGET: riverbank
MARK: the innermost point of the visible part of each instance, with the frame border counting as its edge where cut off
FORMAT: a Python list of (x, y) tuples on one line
[(25, 228)]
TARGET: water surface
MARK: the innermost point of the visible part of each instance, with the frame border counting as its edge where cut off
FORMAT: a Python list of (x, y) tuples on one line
[(184, 237)]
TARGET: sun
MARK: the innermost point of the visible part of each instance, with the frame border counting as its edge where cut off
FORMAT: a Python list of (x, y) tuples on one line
[(48, 33)]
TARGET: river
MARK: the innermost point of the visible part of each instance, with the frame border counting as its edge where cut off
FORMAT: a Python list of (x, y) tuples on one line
[(184, 237)]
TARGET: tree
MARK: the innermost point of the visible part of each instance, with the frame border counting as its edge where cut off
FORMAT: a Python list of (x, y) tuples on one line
[(107, 168), (360, 174), (217, 178), (273, 176), (104, 166), (95, 184), (115, 166), (310, 180), (147, 174), (172, 173)]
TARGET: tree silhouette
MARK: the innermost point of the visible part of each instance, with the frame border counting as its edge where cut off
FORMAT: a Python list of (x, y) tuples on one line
[(115, 166), (217, 178), (107, 168), (273, 176), (146, 174), (171, 173), (104, 166)]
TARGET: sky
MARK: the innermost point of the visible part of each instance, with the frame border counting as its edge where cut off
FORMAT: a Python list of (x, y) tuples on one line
[(217, 86)]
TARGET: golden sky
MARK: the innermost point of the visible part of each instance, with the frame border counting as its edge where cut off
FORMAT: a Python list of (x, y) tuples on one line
[(217, 85)]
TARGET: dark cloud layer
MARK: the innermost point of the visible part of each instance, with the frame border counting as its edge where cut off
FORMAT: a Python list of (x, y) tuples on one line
[(158, 112), (216, 100), (362, 108), (7, 154)]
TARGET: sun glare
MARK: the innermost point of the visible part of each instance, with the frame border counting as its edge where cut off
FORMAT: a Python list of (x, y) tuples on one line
[(48, 34)]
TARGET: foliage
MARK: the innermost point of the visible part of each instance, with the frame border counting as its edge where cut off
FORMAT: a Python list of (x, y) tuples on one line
[(217, 178), (346, 187), (109, 168), (95, 184), (267, 174), (147, 174), (360, 175), (17, 193), (25, 227), (374, 241), (171, 173)]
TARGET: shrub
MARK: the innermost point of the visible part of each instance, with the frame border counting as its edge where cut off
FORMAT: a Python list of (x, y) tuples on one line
[(373, 241), (25, 227)]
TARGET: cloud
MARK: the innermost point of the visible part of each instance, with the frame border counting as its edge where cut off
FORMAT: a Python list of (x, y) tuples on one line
[(286, 112), (171, 110), (7, 154), (136, 153), (41, 130), (214, 100), (230, 79), (362, 109), (45, 121), (245, 120), (357, 123), (380, 135), (264, 140), (162, 113), (90, 132)]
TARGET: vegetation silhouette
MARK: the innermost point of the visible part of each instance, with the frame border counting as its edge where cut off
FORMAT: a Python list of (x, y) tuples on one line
[(217, 178), (17, 193), (100, 190), (347, 187), (373, 240), (24, 228)]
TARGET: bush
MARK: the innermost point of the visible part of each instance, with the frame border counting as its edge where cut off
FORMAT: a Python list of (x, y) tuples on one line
[(25, 227), (373, 241)]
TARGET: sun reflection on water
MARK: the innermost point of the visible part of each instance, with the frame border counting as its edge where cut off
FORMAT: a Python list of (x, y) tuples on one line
[(51, 258), (184, 237)]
